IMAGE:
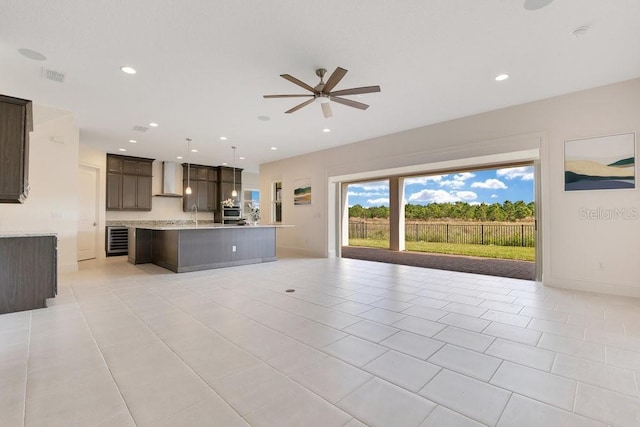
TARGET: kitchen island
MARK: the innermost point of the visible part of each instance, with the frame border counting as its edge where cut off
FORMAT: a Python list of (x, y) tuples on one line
[(191, 248)]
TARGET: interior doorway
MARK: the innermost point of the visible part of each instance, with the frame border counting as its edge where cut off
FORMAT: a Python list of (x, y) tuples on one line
[(87, 212)]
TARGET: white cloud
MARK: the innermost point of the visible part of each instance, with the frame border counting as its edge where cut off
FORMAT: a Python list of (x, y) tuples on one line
[(458, 180), (464, 176), (424, 180), (452, 183), (494, 196), (524, 173), (441, 196), (475, 203), (491, 183), (370, 186), (366, 193), (466, 195), (433, 196), (378, 202)]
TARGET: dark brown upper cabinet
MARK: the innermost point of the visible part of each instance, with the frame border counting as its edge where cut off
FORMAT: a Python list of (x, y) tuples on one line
[(16, 121), (226, 180), (204, 188), (128, 183)]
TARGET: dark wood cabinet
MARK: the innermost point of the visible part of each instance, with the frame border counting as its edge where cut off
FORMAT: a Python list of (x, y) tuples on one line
[(16, 121), (28, 272), (226, 185), (114, 191), (209, 186), (139, 245), (129, 183), (212, 196), (143, 193), (136, 167), (204, 191), (226, 188), (226, 174), (114, 164), (226, 180)]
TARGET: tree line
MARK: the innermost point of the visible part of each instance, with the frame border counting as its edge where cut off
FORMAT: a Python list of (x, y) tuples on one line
[(507, 211)]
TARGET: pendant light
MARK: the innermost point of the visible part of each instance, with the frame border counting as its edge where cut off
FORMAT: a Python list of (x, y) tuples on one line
[(188, 189), (234, 193)]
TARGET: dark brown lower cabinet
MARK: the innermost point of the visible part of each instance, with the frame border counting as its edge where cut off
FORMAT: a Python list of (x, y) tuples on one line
[(28, 272)]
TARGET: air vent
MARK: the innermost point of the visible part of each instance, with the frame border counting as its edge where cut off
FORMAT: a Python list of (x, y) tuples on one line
[(56, 76), (139, 128)]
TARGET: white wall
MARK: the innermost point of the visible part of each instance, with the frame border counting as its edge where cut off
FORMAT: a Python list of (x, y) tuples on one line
[(597, 255), (52, 203), (250, 181)]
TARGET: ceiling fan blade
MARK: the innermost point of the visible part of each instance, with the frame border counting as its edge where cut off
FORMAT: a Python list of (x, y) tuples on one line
[(299, 106), (286, 96), (326, 110), (334, 79), (298, 82), (356, 91), (350, 103)]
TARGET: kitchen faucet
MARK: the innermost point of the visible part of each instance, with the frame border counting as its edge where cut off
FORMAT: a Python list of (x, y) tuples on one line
[(194, 209)]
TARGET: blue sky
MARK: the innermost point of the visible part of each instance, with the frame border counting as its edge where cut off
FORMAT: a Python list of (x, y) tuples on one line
[(488, 186)]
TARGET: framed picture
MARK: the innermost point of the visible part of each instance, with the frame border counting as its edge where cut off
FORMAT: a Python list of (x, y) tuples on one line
[(601, 163), (302, 192)]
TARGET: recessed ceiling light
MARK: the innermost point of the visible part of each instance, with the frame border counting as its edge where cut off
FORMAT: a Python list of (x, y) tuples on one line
[(326, 130), (133, 141), (274, 148), (501, 77), (32, 54), (128, 70), (224, 163), (580, 31), (179, 157), (153, 124), (122, 149), (223, 138), (241, 158), (264, 118), (193, 150)]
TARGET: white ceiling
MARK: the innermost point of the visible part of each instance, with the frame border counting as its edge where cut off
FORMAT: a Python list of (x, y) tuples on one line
[(203, 66)]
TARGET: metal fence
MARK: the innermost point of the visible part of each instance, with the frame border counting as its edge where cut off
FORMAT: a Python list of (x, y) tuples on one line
[(475, 234)]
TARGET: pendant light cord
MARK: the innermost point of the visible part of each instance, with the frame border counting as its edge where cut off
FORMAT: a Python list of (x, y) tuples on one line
[(234, 173), (189, 163)]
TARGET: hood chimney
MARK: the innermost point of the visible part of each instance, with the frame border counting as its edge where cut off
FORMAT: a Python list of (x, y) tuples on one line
[(169, 179)]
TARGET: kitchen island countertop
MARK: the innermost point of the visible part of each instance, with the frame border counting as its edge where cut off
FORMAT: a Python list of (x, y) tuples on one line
[(207, 226)]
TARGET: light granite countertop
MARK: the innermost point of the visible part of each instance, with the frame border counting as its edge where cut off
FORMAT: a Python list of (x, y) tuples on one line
[(207, 226), (4, 234)]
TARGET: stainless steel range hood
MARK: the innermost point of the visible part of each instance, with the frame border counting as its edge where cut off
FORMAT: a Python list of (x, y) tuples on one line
[(169, 179)]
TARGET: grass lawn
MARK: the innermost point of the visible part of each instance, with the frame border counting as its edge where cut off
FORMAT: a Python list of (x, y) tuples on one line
[(486, 251)]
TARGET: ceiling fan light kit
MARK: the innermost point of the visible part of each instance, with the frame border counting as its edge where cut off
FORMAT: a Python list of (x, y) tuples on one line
[(323, 94)]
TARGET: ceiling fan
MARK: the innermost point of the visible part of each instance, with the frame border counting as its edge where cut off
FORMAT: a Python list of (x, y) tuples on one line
[(322, 92)]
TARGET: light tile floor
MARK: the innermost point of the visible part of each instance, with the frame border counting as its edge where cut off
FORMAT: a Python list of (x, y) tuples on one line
[(357, 343)]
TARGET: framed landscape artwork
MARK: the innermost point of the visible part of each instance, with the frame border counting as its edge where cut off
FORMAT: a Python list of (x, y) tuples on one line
[(601, 163), (302, 192)]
